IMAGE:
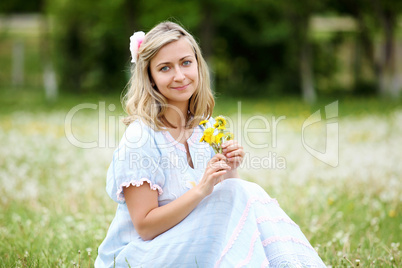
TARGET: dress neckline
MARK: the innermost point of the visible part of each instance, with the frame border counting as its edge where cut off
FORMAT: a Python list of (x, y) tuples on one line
[(180, 146), (175, 141), (190, 140)]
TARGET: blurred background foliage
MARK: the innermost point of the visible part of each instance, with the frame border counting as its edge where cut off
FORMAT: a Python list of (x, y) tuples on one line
[(256, 48)]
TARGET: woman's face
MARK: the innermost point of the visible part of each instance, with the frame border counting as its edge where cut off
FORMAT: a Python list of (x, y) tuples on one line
[(174, 71)]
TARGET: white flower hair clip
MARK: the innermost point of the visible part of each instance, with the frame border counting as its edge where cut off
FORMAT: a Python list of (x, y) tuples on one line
[(135, 42)]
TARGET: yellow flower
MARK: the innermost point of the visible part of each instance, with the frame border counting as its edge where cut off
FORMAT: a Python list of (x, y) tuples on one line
[(207, 135), (203, 122), (229, 136), (218, 137), (209, 131), (220, 121), (215, 141)]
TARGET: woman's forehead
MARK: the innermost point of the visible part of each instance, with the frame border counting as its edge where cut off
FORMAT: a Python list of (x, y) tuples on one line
[(174, 51)]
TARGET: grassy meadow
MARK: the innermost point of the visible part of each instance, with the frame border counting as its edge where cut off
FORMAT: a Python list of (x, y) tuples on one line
[(55, 211)]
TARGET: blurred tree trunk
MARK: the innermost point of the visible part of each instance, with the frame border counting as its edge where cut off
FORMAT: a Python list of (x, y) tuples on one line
[(365, 43), (301, 26), (299, 16), (207, 29), (306, 72), (207, 35), (388, 83)]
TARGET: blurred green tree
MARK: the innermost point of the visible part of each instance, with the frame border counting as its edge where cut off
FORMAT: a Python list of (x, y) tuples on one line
[(298, 14), (91, 43), (92, 39), (20, 6), (386, 12), (377, 24), (263, 47), (248, 52), (255, 48)]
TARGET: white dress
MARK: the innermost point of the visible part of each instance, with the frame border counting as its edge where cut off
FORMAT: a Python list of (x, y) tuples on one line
[(238, 225)]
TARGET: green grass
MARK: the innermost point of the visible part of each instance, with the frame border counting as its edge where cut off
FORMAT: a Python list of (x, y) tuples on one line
[(33, 99), (55, 211)]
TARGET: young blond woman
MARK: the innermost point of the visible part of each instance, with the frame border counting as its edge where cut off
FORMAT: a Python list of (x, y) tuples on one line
[(172, 209)]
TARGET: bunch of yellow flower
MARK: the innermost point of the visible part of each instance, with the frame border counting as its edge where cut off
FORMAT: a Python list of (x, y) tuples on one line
[(216, 140)]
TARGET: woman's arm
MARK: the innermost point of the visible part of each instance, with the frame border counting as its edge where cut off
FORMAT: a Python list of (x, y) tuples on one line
[(150, 220)]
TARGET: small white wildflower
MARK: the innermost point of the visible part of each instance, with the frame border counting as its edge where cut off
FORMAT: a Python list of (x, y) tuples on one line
[(395, 246)]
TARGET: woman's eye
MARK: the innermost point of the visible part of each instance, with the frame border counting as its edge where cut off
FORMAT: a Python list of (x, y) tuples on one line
[(187, 62), (164, 69)]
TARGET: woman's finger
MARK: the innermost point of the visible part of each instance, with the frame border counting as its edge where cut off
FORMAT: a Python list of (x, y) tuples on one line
[(215, 163), (236, 159), (228, 143), (218, 174), (238, 152), (232, 147), (217, 157), (220, 165)]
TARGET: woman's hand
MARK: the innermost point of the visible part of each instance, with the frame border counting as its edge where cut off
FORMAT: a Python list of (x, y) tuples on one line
[(234, 153), (214, 173)]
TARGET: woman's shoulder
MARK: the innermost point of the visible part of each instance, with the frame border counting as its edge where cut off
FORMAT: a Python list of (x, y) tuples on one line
[(138, 134), (137, 127)]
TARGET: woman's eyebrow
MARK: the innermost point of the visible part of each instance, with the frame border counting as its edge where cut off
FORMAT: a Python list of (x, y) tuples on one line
[(186, 57)]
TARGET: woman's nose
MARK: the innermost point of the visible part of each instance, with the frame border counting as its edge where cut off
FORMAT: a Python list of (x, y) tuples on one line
[(179, 76)]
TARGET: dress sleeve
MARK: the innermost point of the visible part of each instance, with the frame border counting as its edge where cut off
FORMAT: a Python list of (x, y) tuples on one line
[(135, 161)]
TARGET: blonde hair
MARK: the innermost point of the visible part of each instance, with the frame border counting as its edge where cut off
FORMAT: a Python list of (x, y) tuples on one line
[(147, 103)]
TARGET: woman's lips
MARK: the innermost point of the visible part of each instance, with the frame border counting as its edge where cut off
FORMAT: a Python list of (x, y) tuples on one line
[(181, 87)]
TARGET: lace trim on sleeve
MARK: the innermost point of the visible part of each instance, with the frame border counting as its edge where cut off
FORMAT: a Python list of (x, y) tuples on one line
[(136, 183)]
